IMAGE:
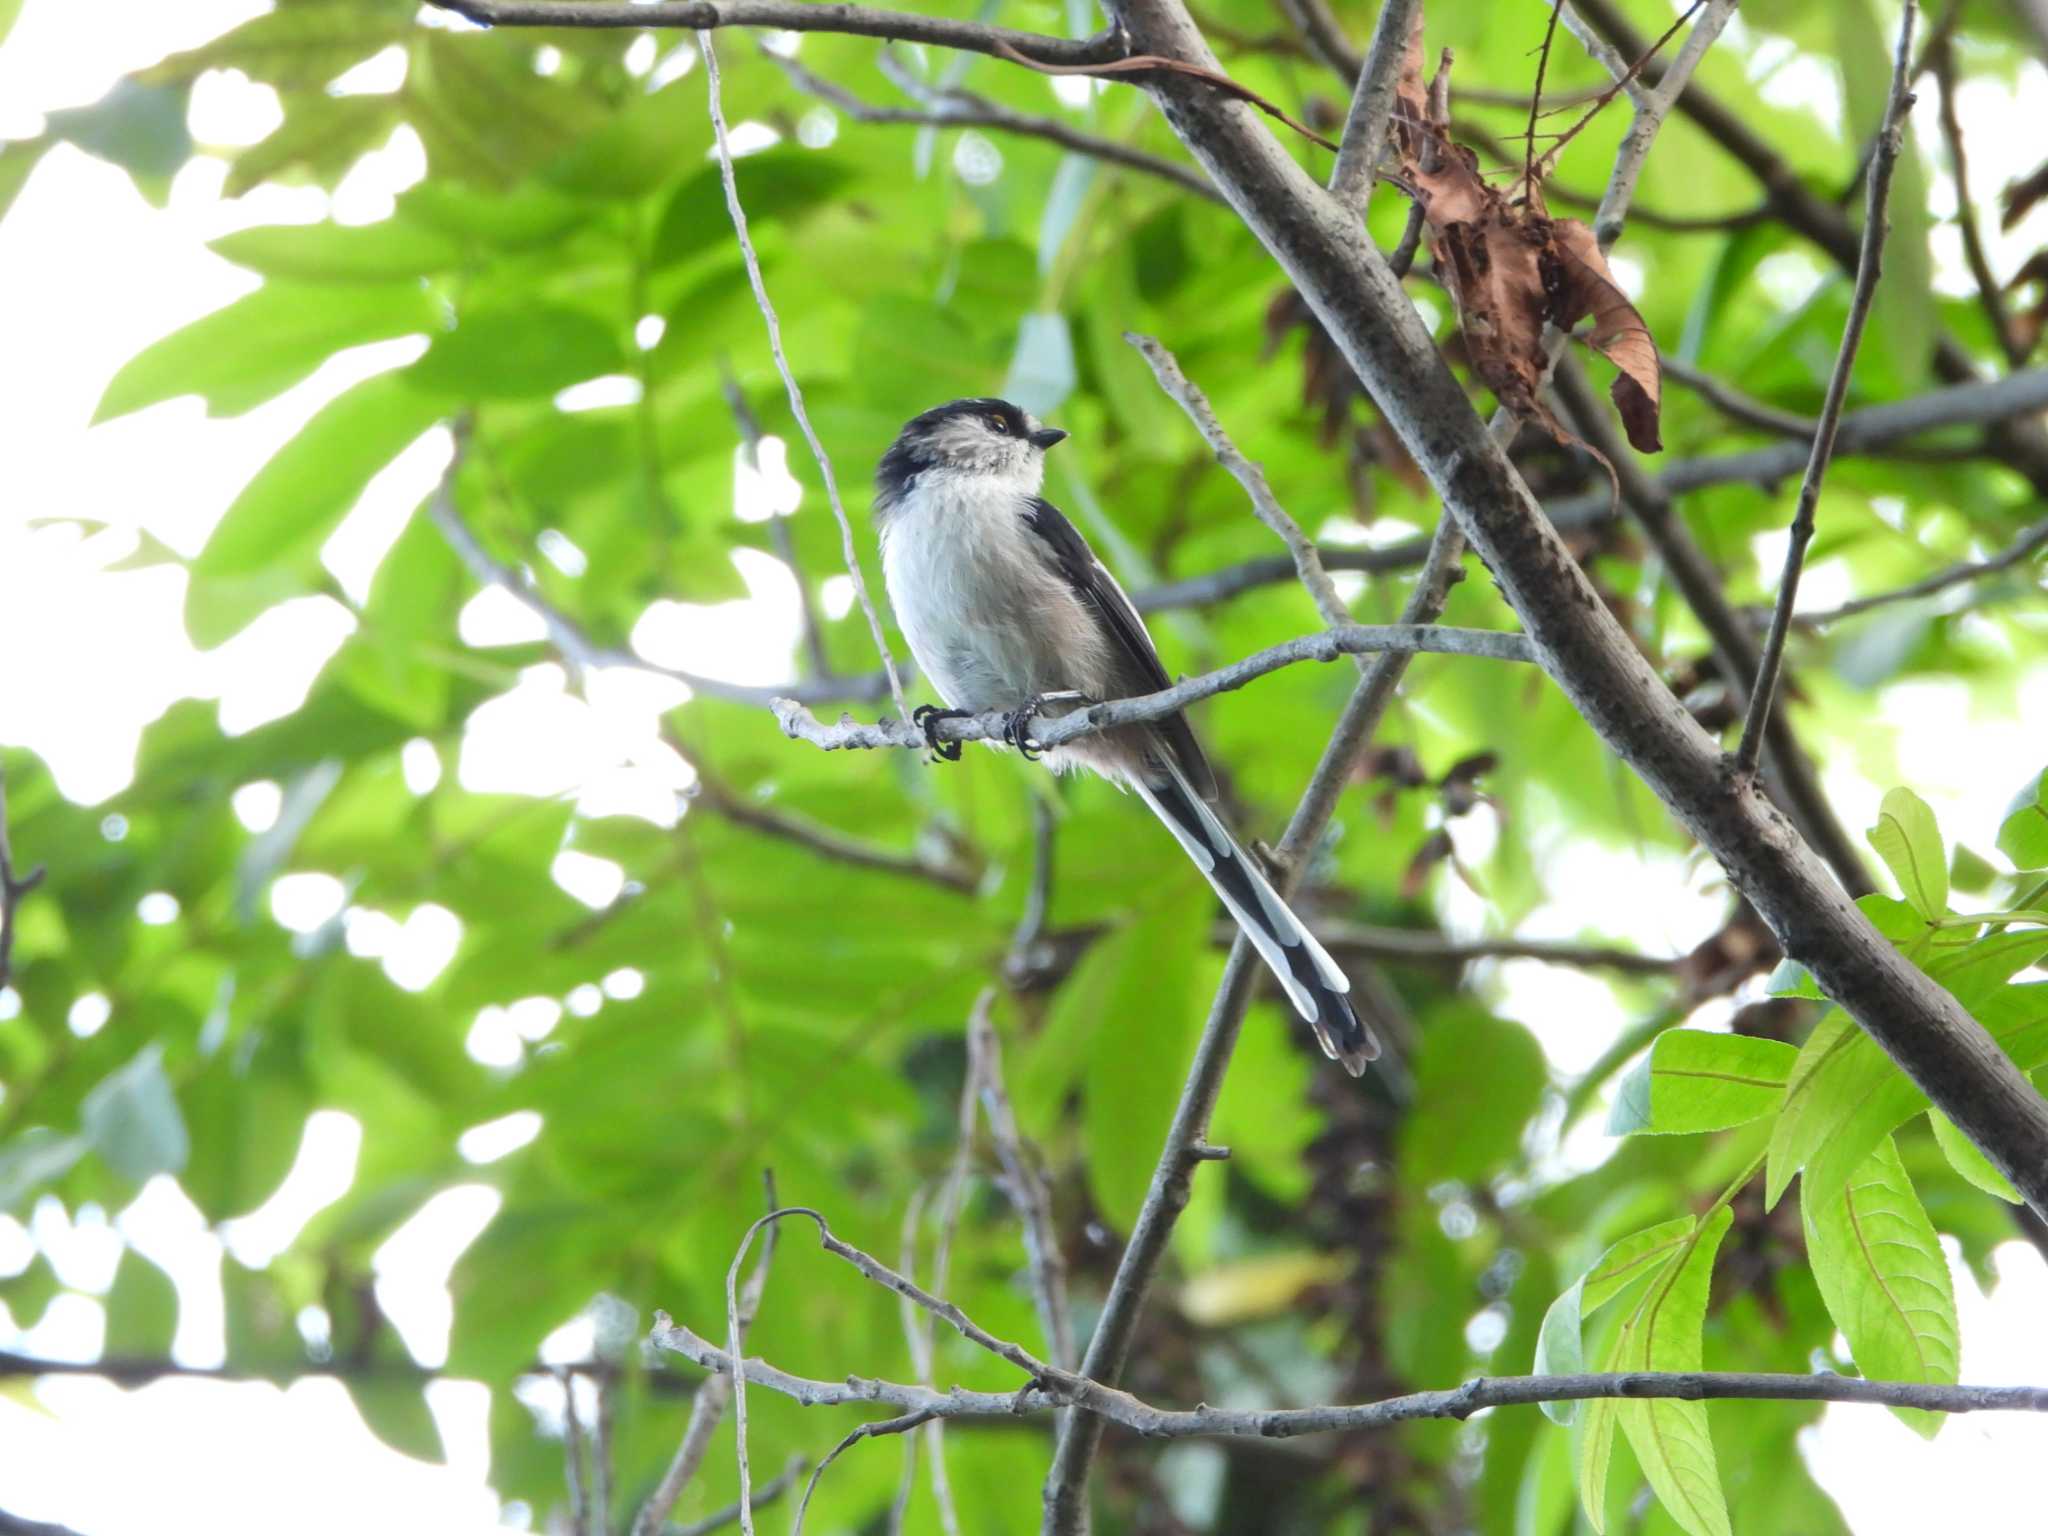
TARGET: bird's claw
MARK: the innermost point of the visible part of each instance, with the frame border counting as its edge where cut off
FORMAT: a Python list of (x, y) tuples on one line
[(928, 716), (1017, 729)]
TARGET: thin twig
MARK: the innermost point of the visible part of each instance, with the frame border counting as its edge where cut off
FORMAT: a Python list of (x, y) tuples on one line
[(573, 1455), (1876, 223), (898, 1426), (1990, 292), (792, 16), (601, 1467), (1100, 1403), (917, 1335), (796, 394), (708, 1407), (1025, 1188), (956, 108), (1023, 958), (1154, 63), (764, 1495), (728, 804), (1623, 82), (739, 1316), (577, 649), (1409, 243), (12, 889), (1364, 138), (1735, 405), (1188, 396), (1324, 37), (1794, 784), (1423, 947), (2026, 545), (916, 1326), (1536, 96), (1328, 645), (1652, 106)]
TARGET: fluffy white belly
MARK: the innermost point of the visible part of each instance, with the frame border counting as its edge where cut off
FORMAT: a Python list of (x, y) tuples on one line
[(990, 623)]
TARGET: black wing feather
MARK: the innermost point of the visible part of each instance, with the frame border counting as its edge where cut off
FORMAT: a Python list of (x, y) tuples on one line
[(1069, 553)]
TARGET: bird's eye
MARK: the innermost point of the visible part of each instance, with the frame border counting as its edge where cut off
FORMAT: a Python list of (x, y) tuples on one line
[(997, 426)]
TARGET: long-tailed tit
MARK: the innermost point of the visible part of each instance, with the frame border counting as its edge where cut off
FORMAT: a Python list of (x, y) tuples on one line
[(1006, 608)]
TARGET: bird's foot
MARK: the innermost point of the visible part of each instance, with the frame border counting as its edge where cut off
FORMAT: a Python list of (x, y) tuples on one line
[(1017, 724), (928, 716), (1017, 729)]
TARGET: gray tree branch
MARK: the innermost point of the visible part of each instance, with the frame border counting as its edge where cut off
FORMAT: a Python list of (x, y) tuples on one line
[(1119, 1407), (1947, 1054), (792, 16), (1188, 396), (1365, 127), (2033, 539), (1349, 640)]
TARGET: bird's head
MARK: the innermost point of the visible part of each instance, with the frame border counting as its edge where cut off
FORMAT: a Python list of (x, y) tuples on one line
[(979, 439)]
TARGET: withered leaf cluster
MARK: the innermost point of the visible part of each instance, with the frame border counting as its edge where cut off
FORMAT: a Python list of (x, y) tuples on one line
[(1511, 268)]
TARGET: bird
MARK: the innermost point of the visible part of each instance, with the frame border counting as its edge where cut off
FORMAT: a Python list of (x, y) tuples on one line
[(1006, 608)]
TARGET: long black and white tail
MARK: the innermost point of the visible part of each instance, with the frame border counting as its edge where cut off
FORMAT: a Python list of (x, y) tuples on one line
[(1307, 974)]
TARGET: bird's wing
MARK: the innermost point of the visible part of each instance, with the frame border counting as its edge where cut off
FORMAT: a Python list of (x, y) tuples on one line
[(1068, 553)]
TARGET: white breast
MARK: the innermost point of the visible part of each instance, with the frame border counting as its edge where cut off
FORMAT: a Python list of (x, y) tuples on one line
[(990, 623)]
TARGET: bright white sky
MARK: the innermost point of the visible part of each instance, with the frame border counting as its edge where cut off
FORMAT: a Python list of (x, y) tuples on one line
[(89, 274)]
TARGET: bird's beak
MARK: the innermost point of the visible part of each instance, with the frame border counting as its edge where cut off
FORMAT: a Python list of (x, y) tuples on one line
[(1045, 437)]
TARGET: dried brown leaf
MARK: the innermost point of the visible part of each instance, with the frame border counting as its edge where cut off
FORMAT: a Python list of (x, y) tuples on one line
[(1585, 286), (1510, 268)]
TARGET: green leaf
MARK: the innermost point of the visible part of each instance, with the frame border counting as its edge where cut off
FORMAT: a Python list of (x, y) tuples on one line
[(1883, 1275), (1141, 990), (1560, 1343), (261, 345), (1909, 842), (510, 354), (139, 127), (341, 253), (320, 138), (1970, 871), (775, 186), (9, 11), (1964, 1157), (1845, 1095), (1478, 1081), (267, 547), (34, 1160), (18, 157), (1694, 1080), (1670, 1437), (2023, 835), (1596, 1455), (397, 1414), (141, 1307), (132, 1119), (299, 46), (296, 500)]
